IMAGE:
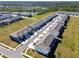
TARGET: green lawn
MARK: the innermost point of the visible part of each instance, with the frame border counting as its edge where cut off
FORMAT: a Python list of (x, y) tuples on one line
[(6, 30), (69, 47)]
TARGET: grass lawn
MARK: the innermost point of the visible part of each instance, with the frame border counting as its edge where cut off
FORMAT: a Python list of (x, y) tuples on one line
[(6, 30), (69, 47), (34, 54)]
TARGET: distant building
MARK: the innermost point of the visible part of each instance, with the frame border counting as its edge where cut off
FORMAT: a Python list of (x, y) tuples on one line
[(25, 14), (5, 12), (69, 13), (8, 19), (5, 17)]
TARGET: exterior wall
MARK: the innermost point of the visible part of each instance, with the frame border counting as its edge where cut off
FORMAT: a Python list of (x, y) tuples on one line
[(43, 22), (9, 20), (52, 44), (15, 39), (20, 39)]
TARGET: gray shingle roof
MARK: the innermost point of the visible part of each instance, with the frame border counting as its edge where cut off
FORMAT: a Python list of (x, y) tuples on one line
[(45, 43), (43, 20), (69, 13), (20, 32)]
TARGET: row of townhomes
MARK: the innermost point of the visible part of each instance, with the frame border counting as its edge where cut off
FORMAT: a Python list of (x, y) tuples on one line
[(48, 38), (42, 36), (50, 29), (10, 17), (28, 31), (69, 13)]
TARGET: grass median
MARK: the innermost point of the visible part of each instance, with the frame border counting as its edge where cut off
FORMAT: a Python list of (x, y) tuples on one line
[(69, 47)]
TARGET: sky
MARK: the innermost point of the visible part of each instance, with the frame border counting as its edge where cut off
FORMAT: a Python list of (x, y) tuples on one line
[(39, 0)]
